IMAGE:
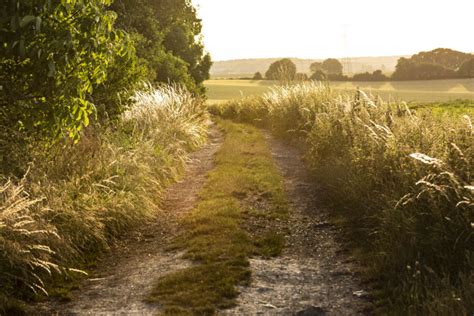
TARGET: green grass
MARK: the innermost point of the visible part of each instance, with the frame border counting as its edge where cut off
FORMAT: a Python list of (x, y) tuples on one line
[(453, 108), (221, 90), (420, 91), (214, 233)]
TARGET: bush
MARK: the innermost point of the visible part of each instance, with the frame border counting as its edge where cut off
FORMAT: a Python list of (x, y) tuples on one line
[(375, 76), (52, 58)]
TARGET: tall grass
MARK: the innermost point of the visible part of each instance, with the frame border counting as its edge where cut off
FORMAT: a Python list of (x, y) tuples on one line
[(78, 198), (401, 184)]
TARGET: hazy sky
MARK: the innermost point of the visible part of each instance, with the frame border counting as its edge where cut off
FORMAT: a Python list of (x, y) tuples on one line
[(334, 28)]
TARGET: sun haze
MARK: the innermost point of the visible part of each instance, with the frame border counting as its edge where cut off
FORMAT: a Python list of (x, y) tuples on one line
[(235, 29)]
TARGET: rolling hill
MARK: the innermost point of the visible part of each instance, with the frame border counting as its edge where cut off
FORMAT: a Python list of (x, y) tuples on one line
[(247, 67)]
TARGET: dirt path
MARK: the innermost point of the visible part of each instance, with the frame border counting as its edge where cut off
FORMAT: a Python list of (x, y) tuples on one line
[(127, 275), (313, 276)]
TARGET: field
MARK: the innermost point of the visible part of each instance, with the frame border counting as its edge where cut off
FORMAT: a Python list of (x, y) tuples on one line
[(421, 91), (228, 89)]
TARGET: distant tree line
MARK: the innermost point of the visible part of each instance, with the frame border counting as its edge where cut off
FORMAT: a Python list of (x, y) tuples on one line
[(441, 63)]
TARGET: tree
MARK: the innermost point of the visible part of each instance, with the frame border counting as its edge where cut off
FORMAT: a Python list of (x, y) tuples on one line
[(441, 63), (467, 69), (444, 57), (283, 69), (316, 66), (319, 75), (257, 76), (167, 36), (337, 77), (407, 69), (54, 58), (332, 66), (299, 76), (64, 63), (377, 75)]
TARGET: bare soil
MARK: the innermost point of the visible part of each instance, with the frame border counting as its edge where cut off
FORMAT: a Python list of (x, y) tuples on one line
[(314, 275), (127, 274)]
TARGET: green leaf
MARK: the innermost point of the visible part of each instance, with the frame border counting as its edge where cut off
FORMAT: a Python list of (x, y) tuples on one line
[(38, 24), (14, 23), (52, 68), (22, 47), (86, 120), (27, 20)]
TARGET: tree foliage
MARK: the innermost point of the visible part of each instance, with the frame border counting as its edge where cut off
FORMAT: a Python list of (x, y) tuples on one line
[(66, 63), (407, 69), (467, 69), (445, 57), (318, 75), (377, 75), (300, 76), (257, 76), (332, 66), (316, 66), (283, 69), (166, 34), (441, 63), (53, 56)]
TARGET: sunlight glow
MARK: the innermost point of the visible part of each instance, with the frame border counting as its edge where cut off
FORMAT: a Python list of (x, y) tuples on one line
[(337, 28)]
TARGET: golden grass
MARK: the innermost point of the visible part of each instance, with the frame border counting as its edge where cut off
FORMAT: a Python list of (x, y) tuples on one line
[(78, 198), (418, 90), (399, 181)]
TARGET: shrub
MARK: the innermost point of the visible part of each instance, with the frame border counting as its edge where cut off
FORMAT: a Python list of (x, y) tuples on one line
[(52, 58)]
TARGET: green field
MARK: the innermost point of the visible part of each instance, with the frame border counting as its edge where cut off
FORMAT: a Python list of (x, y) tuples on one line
[(227, 89), (421, 91)]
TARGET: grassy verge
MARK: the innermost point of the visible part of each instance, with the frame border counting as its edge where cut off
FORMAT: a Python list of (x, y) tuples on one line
[(77, 198), (400, 183), (245, 186), (453, 108)]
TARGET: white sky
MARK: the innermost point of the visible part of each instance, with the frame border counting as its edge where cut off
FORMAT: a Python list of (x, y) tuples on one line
[(315, 29)]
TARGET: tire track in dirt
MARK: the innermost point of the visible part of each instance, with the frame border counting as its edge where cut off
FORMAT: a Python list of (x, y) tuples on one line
[(128, 273), (313, 276)]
